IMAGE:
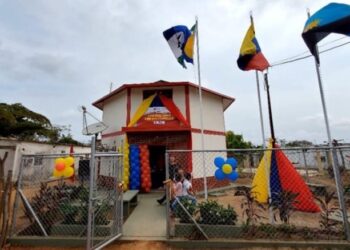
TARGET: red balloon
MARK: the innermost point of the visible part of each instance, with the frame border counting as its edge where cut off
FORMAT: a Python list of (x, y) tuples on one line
[(60, 166)]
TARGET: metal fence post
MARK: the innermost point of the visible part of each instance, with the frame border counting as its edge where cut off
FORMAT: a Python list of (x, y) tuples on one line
[(340, 191), (91, 189), (167, 195), (15, 208), (305, 165), (120, 193)]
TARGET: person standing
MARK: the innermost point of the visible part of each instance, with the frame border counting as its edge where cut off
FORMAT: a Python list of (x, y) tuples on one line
[(173, 169)]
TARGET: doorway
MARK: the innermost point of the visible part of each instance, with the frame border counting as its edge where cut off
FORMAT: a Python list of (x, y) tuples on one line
[(157, 161)]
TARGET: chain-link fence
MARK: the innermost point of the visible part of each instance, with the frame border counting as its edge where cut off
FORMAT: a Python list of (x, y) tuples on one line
[(287, 193), (106, 206), (78, 206)]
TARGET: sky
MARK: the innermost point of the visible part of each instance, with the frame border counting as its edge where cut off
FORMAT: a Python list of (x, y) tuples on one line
[(58, 55)]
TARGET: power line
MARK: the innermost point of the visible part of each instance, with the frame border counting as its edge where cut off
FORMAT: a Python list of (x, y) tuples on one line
[(305, 52), (290, 59)]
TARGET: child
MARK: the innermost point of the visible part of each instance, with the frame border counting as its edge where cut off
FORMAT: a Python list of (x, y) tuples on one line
[(187, 188), (178, 189)]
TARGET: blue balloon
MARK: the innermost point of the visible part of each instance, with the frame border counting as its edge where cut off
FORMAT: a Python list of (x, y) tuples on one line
[(219, 161), (233, 176), (232, 162), (219, 175)]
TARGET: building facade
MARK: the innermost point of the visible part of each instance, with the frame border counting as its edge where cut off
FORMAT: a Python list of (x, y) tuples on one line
[(163, 115)]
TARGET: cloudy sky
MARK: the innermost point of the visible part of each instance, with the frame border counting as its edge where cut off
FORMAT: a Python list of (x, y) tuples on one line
[(57, 55)]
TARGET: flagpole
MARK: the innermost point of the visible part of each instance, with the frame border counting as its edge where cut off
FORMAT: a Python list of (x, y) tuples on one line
[(262, 131), (201, 113), (272, 130), (260, 110), (259, 97), (337, 178)]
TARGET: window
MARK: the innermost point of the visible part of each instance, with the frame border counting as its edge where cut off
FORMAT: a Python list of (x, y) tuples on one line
[(38, 160), (166, 92)]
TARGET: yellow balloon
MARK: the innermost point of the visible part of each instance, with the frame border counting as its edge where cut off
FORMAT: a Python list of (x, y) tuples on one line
[(59, 160), (69, 161), (227, 168), (57, 173), (68, 172)]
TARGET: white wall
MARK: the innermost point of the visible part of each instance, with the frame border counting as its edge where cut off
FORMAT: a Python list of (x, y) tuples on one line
[(136, 100), (211, 142), (23, 148), (114, 112), (213, 112), (179, 99), (10, 148)]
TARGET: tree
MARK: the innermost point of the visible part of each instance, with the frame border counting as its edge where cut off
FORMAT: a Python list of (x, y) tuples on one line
[(236, 141), (299, 143), (22, 123)]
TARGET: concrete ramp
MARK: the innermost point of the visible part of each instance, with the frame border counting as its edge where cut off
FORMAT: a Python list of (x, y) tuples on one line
[(148, 220)]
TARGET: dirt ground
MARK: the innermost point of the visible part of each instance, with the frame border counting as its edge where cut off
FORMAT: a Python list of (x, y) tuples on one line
[(299, 219), (149, 245)]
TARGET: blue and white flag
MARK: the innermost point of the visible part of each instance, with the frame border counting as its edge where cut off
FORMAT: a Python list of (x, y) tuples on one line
[(181, 41)]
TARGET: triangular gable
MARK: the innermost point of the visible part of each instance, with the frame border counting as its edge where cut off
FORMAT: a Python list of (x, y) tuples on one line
[(156, 111), (141, 110), (170, 105)]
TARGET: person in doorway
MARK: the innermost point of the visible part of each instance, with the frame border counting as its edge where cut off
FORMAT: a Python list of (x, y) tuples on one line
[(173, 169)]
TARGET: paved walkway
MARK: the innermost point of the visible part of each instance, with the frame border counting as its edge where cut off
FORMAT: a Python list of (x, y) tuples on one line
[(148, 220)]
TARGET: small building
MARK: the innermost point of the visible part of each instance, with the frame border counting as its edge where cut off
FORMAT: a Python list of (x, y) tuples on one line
[(16, 148), (163, 115)]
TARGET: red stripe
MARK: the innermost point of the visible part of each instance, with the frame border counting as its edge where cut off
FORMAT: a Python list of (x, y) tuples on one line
[(189, 146), (208, 132), (128, 106), (193, 130), (170, 105), (99, 102), (187, 100)]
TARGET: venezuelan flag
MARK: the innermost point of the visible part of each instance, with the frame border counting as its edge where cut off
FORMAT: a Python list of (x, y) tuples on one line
[(333, 18), (181, 42), (250, 56)]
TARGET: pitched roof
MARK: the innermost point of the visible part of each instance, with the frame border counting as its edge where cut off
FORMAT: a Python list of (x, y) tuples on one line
[(226, 100)]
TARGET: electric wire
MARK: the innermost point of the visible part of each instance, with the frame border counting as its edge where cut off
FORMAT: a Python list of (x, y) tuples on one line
[(307, 52), (294, 59)]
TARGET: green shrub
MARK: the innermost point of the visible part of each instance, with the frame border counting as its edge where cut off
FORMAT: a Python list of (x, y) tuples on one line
[(189, 205), (212, 213)]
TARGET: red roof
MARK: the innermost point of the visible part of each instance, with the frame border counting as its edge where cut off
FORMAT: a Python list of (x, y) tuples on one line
[(227, 100)]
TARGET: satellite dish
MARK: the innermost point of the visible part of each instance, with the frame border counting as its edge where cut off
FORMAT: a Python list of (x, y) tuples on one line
[(94, 128)]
